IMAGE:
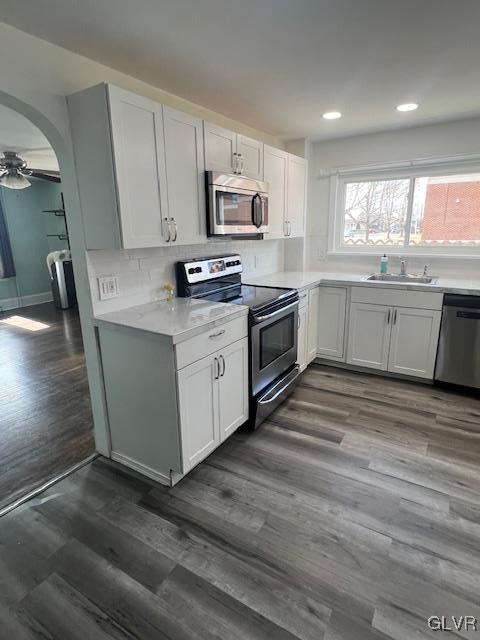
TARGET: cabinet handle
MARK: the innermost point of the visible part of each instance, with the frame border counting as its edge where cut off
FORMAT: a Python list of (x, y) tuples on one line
[(216, 335), (388, 316), (289, 228), (241, 163), (217, 368), (167, 221), (222, 360), (395, 316), (174, 222), (235, 163)]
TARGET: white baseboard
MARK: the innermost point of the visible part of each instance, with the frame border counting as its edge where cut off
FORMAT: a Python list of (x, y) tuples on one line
[(162, 478), (26, 301)]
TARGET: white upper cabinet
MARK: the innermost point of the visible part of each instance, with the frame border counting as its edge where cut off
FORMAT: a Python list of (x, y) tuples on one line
[(275, 173), (286, 176), (331, 323), (232, 152), (184, 158), (139, 158), (140, 169), (119, 155), (296, 190), (250, 157), (220, 148)]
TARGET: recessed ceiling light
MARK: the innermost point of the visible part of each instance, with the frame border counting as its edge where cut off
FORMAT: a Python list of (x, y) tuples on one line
[(408, 106), (332, 115)]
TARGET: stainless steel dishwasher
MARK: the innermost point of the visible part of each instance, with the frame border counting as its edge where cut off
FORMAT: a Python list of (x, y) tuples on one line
[(458, 356)]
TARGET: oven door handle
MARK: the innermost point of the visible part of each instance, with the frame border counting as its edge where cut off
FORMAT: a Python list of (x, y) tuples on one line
[(284, 382), (276, 313)]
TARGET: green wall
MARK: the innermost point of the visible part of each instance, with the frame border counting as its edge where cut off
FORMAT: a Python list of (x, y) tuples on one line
[(28, 228)]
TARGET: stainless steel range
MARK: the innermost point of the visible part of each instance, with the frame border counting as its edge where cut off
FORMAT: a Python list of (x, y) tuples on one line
[(273, 322)]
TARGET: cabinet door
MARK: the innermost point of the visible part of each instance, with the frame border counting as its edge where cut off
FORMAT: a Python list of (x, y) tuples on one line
[(184, 159), (369, 335), (198, 408), (413, 346), (331, 322), (220, 145), (313, 302), (233, 387), (139, 157), (250, 157), (302, 336), (275, 163), (296, 190)]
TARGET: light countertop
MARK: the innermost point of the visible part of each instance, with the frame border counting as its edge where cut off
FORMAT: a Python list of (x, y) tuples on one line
[(179, 320), (307, 279)]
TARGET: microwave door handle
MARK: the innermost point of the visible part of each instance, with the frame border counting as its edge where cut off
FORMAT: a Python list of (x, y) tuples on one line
[(256, 198)]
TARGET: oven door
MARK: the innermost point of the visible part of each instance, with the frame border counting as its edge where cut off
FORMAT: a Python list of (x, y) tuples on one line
[(273, 345), (235, 211)]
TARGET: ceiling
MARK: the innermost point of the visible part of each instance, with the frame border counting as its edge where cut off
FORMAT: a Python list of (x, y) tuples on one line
[(20, 135), (277, 65)]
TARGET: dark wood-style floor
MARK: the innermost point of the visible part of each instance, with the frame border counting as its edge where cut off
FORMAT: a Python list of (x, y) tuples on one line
[(352, 514), (45, 414)]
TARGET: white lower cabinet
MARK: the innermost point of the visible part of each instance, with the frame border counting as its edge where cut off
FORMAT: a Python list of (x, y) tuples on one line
[(413, 345), (302, 334), (198, 407), (213, 400), (369, 335), (396, 339), (332, 306), (174, 403), (312, 331), (233, 388)]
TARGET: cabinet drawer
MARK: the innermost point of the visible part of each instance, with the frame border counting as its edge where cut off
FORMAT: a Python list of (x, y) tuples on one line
[(210, 341), (398, 297)]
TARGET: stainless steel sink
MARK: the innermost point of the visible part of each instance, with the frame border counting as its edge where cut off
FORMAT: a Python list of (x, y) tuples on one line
[(407, 278)]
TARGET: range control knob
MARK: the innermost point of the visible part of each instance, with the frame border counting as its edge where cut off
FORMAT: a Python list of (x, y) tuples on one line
[(198, 269), (191, 270)]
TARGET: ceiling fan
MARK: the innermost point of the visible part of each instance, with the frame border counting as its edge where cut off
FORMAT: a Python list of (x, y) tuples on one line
[(13, 172)]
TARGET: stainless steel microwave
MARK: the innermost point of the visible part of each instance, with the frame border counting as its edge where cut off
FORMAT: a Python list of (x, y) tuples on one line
[(236, 205)]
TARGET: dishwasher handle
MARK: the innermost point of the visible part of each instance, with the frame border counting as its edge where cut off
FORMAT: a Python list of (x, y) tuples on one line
[(468, 315), (461, 301)]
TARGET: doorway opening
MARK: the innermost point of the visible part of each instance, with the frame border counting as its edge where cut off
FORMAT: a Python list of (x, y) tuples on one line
[(46, 423)]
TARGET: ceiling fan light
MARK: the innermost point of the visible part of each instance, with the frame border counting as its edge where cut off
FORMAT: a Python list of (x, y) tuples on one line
[(14, 180)]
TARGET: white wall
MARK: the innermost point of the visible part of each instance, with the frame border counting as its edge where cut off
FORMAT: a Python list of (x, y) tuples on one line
[(36, 86), (44, 73), (448, 139), (142, 273)]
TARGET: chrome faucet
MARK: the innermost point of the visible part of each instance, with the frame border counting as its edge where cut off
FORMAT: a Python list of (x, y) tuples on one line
[(403, 268)]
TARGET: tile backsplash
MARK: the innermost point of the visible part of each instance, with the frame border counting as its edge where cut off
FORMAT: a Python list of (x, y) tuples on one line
[(142, 273)]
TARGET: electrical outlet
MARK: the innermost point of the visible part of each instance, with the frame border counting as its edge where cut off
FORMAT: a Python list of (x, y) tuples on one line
[(107, 287)]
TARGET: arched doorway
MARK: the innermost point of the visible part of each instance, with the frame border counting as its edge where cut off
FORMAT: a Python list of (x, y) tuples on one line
[(60, 146)]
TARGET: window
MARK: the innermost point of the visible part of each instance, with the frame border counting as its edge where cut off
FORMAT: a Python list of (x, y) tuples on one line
[(409, 211)]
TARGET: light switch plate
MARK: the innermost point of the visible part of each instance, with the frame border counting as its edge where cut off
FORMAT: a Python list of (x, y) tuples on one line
[(107, 287)]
